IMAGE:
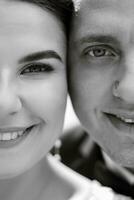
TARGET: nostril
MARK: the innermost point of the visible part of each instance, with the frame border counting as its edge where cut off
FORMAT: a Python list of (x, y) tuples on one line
[(15, 106), (124, 88), (126, 93), (115, 89)]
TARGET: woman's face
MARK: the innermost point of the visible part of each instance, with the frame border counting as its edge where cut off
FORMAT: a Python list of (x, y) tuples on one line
[(32, 84)]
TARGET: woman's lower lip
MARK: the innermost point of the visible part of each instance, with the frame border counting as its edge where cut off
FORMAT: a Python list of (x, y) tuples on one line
[(119, 125), (11, 143)]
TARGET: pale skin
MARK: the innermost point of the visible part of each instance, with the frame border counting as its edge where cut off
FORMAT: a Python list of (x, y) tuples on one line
[(102, 54), (33, 93)]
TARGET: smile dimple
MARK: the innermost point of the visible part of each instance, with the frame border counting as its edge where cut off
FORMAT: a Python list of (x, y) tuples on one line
[(122, 123)]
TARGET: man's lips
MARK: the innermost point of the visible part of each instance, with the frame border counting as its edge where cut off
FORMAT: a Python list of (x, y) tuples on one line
[(124, 123)]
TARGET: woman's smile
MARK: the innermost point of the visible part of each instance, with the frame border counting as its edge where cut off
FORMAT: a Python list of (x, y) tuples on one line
[(9, 137)]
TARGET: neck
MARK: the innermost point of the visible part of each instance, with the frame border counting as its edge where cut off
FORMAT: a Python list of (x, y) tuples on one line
[(28, 186), (123, 172)]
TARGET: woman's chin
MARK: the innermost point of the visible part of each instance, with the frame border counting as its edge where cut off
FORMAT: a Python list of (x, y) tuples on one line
[(9, 173)]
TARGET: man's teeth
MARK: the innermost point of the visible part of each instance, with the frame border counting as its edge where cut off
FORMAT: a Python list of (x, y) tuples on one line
[(127, 120), (10, 136)]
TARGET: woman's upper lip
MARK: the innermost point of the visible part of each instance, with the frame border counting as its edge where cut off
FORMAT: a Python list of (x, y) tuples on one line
[(12, 129)]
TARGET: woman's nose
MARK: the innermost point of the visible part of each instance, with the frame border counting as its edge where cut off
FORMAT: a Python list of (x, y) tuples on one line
[(10, 102)]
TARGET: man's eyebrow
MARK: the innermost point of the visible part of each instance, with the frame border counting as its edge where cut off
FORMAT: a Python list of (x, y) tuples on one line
[(97, 38), (40, 55)]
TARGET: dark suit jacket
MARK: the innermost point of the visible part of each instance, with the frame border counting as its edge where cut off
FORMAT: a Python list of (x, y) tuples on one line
[(89, 161)]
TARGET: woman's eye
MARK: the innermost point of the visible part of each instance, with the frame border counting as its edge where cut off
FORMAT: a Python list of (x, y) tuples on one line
[(36, 68), (98, 51)]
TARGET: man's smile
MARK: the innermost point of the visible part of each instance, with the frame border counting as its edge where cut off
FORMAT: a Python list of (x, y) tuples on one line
[(123, 122)]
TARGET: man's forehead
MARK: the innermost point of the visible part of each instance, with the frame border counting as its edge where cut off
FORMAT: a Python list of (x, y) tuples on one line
[(105, 4), (101, 8), (103, 17)]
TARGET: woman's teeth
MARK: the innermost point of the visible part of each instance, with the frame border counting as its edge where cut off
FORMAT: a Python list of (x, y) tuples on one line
[(10, 136)]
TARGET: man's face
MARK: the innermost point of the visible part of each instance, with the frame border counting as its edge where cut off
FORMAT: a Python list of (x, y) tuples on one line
[(101, 75)]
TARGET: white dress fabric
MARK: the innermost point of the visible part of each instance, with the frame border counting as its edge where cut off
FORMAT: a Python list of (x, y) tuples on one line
[(98, 192), (84, 189)]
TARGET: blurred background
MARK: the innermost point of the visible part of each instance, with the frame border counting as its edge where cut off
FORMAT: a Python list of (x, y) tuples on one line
[(71, 119)]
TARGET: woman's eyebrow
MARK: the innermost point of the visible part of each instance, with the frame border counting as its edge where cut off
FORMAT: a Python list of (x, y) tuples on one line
[(40, 55)]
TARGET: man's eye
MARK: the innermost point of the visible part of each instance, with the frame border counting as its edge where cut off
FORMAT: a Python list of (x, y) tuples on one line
[(98, 51), (35, 68)]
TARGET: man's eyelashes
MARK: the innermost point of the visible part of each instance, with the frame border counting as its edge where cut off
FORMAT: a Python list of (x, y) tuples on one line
[(100, 51)]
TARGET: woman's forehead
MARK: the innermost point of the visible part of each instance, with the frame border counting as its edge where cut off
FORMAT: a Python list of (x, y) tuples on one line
[(22, 17), (17, 11), (28, 27)]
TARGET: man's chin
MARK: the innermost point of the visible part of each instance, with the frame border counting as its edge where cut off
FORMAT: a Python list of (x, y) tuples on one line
[(122, 161)]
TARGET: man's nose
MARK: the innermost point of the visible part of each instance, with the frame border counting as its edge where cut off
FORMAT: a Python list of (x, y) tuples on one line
[(124, 89), (124, 85)]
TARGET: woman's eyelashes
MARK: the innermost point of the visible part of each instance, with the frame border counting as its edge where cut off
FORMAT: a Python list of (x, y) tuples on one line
[(36, 69)]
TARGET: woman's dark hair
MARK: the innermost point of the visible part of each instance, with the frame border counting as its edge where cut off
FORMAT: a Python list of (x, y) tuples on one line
[(63, 9)]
